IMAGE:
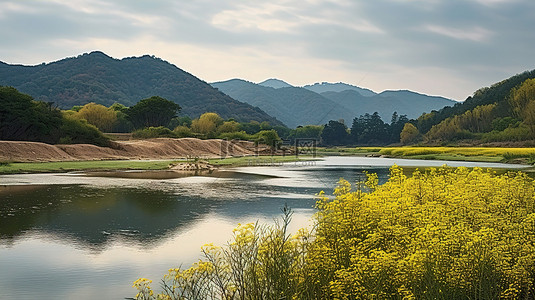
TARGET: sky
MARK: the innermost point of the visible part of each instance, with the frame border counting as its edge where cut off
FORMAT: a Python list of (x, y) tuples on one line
[(447, 48)]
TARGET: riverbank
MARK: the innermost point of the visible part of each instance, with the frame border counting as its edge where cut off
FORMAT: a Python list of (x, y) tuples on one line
[(114, 165), (477, 154), (157, 148)]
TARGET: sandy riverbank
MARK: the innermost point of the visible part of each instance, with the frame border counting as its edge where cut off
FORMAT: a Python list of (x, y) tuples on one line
[(160, 148)]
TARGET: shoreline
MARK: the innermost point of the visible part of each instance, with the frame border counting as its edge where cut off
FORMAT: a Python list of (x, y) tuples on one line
[(140, 165)]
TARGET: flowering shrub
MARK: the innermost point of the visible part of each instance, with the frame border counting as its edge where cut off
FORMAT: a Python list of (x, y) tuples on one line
[(448, 233)]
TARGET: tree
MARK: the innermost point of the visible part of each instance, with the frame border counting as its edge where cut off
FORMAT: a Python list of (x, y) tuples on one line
[(268, 137), (306, 132), (207, 124), (369, 129), (153, 112), (228, 126), (99, 115), (22, 118), (334, 134), (396, 126), (409, 134), (522, 101)]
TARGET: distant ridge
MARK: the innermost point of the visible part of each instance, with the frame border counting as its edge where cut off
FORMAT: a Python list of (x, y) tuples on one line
[(275, 83), (338, 87), (300, 106), (97, 77)]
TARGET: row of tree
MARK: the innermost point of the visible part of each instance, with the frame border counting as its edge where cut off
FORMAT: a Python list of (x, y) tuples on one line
[(365, 130), (22, 118)]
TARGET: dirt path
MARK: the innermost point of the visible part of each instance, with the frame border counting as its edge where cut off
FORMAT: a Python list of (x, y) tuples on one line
[(160, 148)]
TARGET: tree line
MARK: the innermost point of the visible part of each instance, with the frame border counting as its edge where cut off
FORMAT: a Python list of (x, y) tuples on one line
[(23, 118)]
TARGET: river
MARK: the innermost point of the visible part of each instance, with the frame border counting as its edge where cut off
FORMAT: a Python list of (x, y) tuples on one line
[(89, 236)]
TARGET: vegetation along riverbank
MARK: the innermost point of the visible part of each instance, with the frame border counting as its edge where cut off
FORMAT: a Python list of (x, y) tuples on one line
[(485, 154), (447, 233)]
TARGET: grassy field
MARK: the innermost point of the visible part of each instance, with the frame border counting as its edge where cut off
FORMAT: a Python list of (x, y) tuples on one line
[(486, 154), (67, 166)]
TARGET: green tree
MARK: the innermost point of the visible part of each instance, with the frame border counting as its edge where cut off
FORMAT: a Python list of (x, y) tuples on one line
[(228, 126), (22, 118), (409, 134), (522, 101), (153, 112), (334, 134), (207, 124), (307, 132), (268, 137), (99, 115)]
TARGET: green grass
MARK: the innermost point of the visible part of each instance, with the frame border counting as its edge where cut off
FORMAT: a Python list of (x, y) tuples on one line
[(480, 154), (67, 166)]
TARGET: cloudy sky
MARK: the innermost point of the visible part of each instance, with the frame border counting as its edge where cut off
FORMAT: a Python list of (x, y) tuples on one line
[(439, 47)]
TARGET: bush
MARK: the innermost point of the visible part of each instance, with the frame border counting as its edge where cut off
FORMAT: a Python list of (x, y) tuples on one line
[(78, 131), (183, 132), (153, 132), (520, 133), (448, 233), (240, 135)]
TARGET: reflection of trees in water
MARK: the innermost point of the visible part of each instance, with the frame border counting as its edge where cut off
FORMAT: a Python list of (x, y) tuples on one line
[(94, 216)]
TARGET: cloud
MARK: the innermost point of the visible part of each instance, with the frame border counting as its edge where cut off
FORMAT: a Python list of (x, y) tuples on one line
[(476, 34), (476, 42)]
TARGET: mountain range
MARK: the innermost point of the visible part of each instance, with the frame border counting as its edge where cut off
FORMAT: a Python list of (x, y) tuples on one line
[(97, 77), (321, 102)]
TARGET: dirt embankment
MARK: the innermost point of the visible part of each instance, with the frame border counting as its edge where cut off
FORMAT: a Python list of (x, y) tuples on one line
[(160, 148)]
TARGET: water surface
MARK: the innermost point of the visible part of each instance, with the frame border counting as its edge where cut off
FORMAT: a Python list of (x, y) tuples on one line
[(89, 236)]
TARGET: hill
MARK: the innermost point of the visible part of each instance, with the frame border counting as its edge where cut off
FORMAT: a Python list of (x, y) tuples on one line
[(275, 83), (96, 77), (403, 102), (338, 87), (294, 106), (496, 93), (503, 112), (300, 106)]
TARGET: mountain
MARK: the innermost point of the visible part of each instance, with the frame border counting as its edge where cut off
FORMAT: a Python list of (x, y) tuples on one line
[(300, 106), (294, 106), (403, 102), (96, 77), (275, 83), (338, 87)]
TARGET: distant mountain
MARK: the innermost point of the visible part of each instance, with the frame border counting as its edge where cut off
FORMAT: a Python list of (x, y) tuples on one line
[(96, 77), (292, 105), (299, 106), (274, 83), (403, 102), (338, 87)]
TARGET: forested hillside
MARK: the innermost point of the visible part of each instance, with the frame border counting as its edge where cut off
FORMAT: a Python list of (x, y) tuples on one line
[(96, 77), (504, 111)]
